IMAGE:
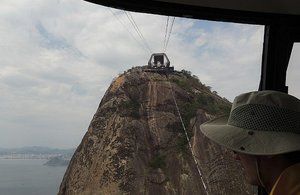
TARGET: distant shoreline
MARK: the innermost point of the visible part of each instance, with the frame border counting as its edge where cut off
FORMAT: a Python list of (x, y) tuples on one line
[(1, 158), (34, 153)]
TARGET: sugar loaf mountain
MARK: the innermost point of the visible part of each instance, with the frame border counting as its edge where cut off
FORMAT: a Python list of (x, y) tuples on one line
[(136, 143)]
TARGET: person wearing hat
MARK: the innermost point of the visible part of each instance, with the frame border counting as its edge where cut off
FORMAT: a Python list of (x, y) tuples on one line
[(263, 131)]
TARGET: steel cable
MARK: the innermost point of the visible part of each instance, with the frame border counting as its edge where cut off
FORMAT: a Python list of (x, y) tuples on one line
[(135, 26), (189, 142), (139, 43), (166, 32), (170, 31)]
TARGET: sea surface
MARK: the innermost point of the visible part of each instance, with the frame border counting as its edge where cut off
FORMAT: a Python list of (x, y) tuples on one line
[(29, 177)]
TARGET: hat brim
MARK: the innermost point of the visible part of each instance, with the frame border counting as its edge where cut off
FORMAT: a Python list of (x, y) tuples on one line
[(255, 142)]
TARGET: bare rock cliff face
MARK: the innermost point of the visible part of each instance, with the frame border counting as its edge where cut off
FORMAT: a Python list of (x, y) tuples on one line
[(136, 144)]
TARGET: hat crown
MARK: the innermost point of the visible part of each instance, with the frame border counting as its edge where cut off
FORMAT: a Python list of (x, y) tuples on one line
[(268, 98), (266, 111)]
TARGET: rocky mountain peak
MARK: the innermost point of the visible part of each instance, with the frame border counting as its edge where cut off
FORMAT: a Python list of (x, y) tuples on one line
[(136, 142)]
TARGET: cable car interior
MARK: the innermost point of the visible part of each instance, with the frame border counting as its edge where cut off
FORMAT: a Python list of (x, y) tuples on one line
[(280, 19)]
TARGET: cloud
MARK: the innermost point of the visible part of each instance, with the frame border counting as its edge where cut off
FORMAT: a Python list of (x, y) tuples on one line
[(225, 56), (59, 57)]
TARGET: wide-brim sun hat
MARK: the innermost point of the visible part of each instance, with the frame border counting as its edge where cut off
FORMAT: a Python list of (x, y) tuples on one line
[(260, 123)]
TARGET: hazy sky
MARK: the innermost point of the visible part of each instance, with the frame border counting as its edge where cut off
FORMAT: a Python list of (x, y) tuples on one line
[(58, 57)]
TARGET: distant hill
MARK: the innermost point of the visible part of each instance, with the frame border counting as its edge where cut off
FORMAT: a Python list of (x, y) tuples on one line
[(57, 161)]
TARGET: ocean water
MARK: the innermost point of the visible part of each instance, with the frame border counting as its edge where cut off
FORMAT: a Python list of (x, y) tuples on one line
[(29, 177)]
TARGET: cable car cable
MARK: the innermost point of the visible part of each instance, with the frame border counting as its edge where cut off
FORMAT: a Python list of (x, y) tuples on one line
[(135, 26), (188, 139), (126, 28), (166, 32), (138, 30), (165, 49)]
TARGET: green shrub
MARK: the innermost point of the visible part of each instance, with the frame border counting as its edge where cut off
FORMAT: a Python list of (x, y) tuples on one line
[(131, 108), (182, 142), (157, 161)]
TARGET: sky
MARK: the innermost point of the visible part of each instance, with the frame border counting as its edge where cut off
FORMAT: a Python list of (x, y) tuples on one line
[(58, 57)]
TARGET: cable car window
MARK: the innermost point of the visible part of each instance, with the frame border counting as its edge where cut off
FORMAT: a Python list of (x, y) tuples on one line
[(293, 72), (59, 57)]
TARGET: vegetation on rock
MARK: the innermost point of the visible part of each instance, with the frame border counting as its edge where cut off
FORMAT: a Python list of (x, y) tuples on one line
[(158, 161)]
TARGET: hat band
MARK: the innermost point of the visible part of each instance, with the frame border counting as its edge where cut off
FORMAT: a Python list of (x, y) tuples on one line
[(265, 118)]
